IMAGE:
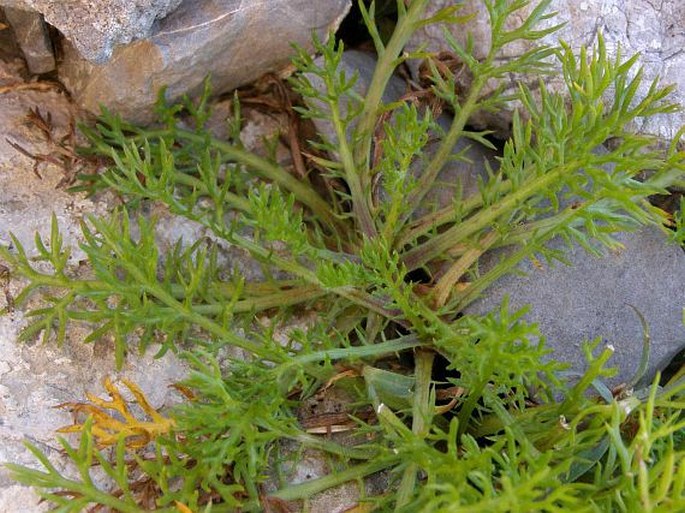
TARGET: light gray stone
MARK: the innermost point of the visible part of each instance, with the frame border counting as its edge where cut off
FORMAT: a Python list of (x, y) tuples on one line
[(32, 36), (294, 465), (34, 377), (234, 41), (95, 28), (593, 297), (656, 30), (29, 501)]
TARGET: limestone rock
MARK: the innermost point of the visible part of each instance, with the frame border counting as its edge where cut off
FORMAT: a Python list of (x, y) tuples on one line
[(593, 298), (656, 30), (29, 500), (95, 28), (234, 41), (34, 377)]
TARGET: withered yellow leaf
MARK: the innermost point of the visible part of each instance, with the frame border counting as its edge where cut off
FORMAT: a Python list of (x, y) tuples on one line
[(182, 508), (113, 419)]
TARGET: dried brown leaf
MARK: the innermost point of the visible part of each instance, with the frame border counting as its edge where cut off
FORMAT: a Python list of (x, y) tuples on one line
[(30, 86)]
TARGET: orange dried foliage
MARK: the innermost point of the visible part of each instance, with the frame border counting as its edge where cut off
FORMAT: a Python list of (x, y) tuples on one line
[(182, 508), (114, 419)]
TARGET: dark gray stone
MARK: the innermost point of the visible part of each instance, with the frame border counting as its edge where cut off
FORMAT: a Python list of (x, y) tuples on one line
[(592, 298), (32, 36), (363, 65)]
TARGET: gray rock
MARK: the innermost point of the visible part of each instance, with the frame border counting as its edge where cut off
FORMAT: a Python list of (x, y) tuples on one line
[(34, 377), (592, 298), (234, 41), (656, 30), (32, 36), (95, 28)]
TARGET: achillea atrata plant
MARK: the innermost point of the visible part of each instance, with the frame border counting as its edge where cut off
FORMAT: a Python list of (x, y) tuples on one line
[(496, 429)]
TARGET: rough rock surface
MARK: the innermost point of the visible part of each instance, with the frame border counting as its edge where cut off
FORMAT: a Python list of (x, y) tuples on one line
[(296, 465), (32, 35), (34, 377), (95, 28), (593, 297), (656, 30), (234, 41)]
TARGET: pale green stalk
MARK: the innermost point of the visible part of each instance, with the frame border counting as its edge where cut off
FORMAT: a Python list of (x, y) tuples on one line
[(422, 418), (385, 67), (437, 245)]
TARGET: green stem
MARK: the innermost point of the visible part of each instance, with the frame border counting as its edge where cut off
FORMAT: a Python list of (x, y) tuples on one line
[(352, 353), (444, 153), (55, 481), (474, 395), (356, 296), (303, 192), (422, 413), (187, 312), (204, 322), (235, 201), (357, 164), (387, 62), (445, 285), (445, 215), (309, 488), (323, 444), (360, 204), (279, 298), (437, 245), (364, 299)]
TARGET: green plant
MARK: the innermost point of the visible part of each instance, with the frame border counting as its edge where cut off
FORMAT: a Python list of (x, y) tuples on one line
[(504, 441)]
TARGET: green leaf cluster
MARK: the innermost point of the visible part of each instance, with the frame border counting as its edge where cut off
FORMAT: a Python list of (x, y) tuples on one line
[(513, 434)]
